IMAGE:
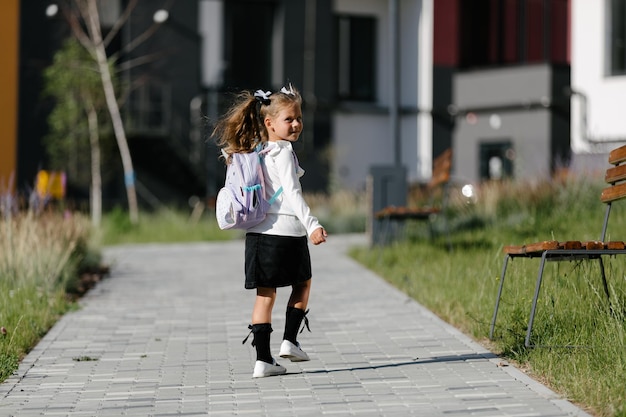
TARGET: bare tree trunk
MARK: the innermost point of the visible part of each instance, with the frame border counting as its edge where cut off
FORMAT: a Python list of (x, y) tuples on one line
[(93, 26), (96, 177)]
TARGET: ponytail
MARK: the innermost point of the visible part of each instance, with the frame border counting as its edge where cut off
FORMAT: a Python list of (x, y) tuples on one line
[(239, 130), (242, 127)]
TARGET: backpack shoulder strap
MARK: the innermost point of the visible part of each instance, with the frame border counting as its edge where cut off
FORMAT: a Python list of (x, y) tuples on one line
[(262, 151), (276, 194)]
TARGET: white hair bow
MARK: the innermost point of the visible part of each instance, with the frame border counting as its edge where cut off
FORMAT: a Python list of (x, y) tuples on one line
[(263, 96), (290, 91)]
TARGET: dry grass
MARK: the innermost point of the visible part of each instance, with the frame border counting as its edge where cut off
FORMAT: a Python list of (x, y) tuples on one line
[(41, 256)]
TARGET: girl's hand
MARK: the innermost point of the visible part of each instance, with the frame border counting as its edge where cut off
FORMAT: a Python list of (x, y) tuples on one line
[(318, 236)]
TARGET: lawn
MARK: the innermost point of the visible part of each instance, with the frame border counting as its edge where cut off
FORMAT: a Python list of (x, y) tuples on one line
[(460, 285)]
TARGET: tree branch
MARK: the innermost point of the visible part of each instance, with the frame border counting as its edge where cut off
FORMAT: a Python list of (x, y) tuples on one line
[(120, 22), (77, 29), (135, 62), (138, 40)]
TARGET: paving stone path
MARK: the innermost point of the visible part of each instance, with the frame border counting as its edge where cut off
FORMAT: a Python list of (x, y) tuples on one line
[(162, 336)]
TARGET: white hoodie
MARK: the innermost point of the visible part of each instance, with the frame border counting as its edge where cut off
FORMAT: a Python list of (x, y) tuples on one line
[(289, 215)]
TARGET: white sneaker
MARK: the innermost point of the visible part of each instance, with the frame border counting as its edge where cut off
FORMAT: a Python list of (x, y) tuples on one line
[(263, 369), (292, 352)]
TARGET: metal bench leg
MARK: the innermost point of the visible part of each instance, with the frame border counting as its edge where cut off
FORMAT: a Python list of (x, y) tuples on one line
[(385, 234), (534, 305), (431, 228), (495, 310), (399, 230), (606, 286), (383, 231)]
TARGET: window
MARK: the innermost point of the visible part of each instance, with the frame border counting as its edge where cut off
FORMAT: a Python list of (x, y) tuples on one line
[(496, 160), (502, 32), (617, 37), (356, 58)]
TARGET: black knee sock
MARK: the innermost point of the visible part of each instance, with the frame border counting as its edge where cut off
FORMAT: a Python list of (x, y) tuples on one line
[(292, 323), (261, 341)]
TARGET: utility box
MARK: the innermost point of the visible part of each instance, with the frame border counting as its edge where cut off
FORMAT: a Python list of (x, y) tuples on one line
[(387, 187)]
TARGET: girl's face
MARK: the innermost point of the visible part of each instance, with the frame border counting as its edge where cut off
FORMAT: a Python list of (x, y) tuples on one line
[(286, 125)]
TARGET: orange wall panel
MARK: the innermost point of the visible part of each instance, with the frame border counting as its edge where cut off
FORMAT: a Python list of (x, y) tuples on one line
[(9, 77)]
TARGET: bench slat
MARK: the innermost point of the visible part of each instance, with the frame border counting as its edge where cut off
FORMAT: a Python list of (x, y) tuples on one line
[(439, 179), (618, 155), (531, 247), (616, 245), (514, 250), (613, 193), (539, 247), (571, 245), (443, 161), (542, 246), (394, 212), (593, 245), (615, 174), (442, 166)]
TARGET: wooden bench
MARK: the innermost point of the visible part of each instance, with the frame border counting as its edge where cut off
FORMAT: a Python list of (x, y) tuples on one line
[(437, 196), (552, 250)]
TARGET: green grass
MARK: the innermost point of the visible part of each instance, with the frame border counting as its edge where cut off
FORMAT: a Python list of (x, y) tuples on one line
[(41, 258), (343, 212), (461, 285), (27, 314), (164, 225)]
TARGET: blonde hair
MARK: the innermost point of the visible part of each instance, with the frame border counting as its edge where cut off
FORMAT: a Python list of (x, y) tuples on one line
[(242, 127)]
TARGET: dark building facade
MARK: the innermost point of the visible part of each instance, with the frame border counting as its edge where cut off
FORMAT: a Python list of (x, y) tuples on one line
[(167, 105), (267, 44), (39, 37), (498, 68)]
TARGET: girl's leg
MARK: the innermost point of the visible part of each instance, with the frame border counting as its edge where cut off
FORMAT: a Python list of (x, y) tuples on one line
[(300, 295), (261, 326), (263, 305), (296, 311), (262, 323)]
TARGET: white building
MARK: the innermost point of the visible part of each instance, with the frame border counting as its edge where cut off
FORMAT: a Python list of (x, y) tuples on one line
[(598, 54), (367, 134)]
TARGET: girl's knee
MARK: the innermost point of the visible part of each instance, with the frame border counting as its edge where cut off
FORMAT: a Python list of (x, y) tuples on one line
[(303, 285), (266, 292)]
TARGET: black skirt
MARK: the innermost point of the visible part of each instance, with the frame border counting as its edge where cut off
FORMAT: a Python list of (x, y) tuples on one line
[(276, 261)]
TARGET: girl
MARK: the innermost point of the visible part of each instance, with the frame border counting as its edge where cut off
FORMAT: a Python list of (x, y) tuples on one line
[(276, 250)]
